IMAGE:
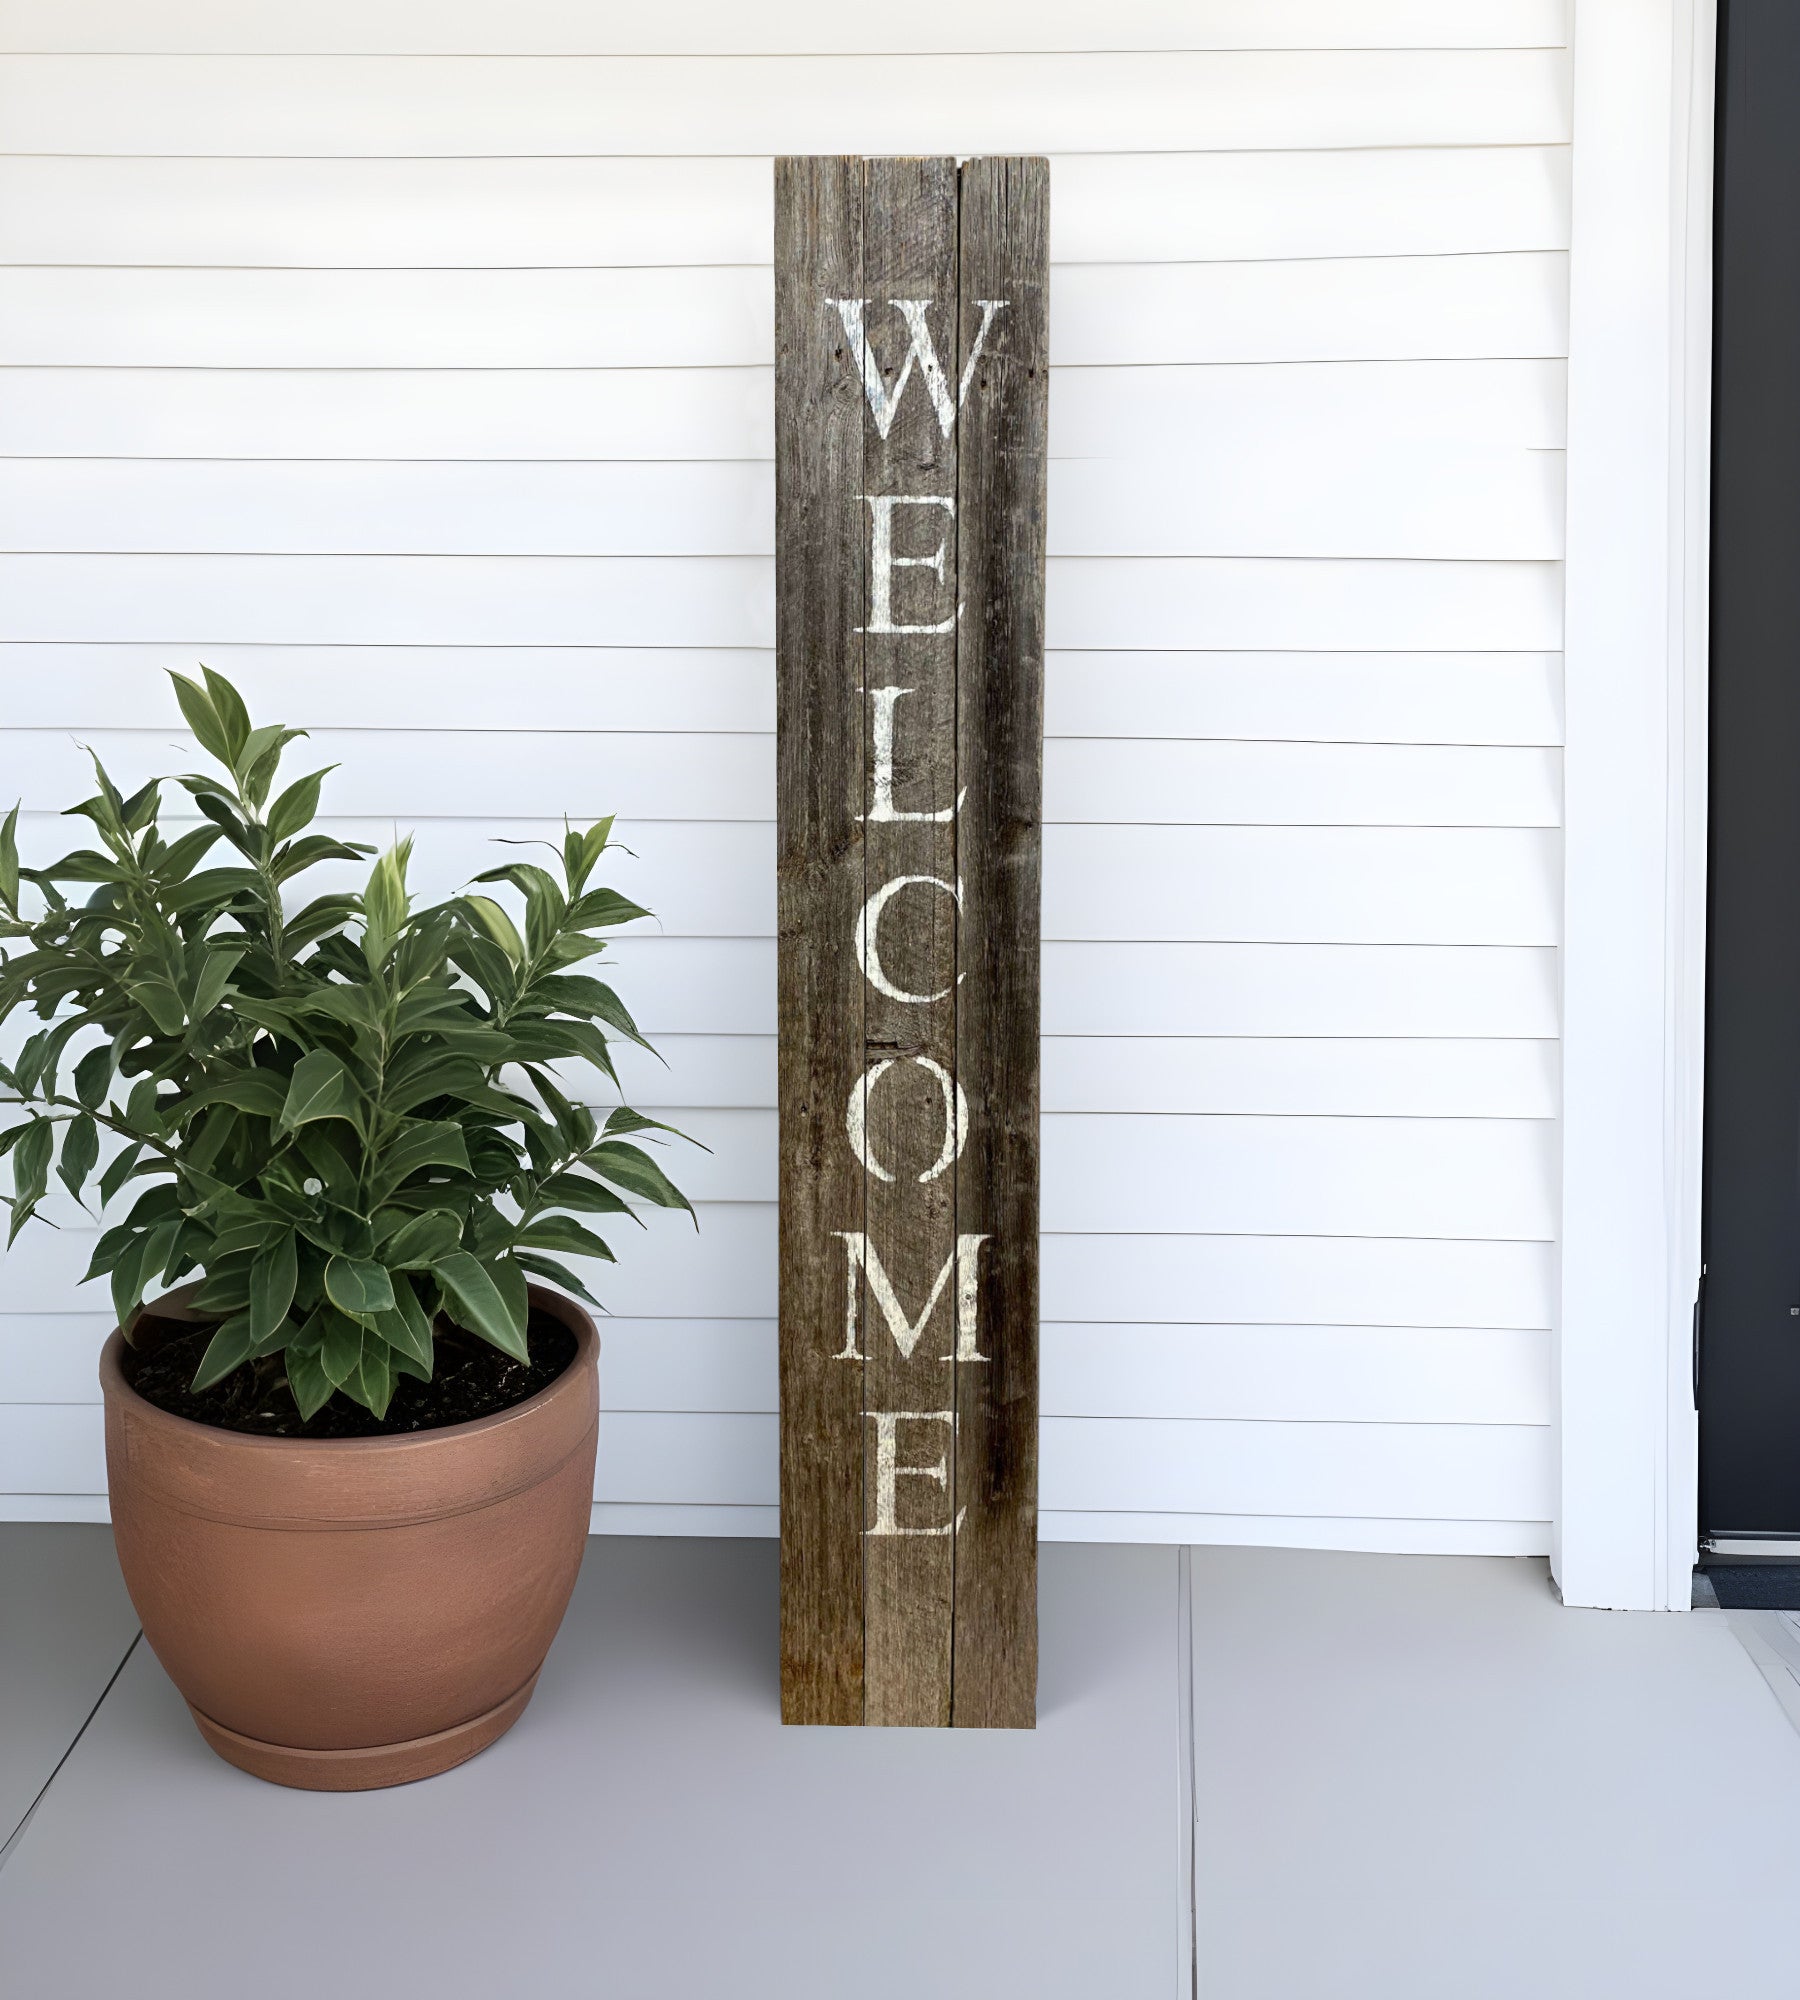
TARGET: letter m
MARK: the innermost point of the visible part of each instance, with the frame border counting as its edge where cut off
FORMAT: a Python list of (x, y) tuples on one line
[(862, 1259)]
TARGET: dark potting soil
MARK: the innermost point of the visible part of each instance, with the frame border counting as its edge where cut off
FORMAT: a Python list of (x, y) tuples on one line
[(470, 1379)]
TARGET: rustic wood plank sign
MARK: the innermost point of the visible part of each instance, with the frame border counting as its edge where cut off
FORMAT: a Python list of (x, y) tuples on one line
[(910, 400)]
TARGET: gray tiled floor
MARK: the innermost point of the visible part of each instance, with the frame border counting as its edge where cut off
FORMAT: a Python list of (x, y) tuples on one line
[(1416, 1778), (1421, 1777), (65, 1624), (649, 1828)]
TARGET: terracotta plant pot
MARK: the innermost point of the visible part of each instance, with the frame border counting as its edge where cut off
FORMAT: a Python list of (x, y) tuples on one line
[(346, 1613)]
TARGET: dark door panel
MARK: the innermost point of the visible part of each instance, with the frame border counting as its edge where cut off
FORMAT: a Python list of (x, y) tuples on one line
[(1750, 1355)]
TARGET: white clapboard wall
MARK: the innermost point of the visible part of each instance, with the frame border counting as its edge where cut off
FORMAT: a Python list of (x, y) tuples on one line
[(410, 361)]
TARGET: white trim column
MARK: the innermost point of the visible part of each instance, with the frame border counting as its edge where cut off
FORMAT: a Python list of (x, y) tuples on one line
[(1634, 799)]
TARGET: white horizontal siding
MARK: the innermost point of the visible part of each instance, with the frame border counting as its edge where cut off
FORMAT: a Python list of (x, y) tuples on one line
[(1002, 102), (1270, 1176), (1279, 1531), (726, 986), (804, 27), (1509, 305), (1120, 1466), (411, 364), (1326, 885), (722, 414), (1092, 604), (1437, 501), (1260, 1374), (727, 1268), (1448, 698), (505, 214), (700, 776), (1154, 1075)]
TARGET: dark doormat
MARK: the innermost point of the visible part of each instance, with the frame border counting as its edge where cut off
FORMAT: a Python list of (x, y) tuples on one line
[(1760, 1586)]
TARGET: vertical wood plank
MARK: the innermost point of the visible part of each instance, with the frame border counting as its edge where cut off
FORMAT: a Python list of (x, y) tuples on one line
[(1000, 699), (820, 591), (910, 404), (909, 252)]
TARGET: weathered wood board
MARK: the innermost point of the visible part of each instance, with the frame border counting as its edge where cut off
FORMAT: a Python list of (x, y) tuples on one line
[(911, 395)]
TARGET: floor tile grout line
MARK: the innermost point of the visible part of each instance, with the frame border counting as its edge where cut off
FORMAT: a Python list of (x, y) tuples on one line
[(1188, 1967), (1774, 1653), (18, 1831)]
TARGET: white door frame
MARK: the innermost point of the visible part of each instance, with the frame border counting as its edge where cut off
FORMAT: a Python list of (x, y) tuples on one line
[(1633, 958)]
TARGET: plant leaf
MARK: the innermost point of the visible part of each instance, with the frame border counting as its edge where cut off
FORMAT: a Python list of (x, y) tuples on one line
[(321, 917), (359, 1286), (297, 806), (589, 1197), (306, 1374), (406, 1326), (603, 907), (81, 1149), (161, 1002), (174, 862), (215, 973), (36, 1067), (563, 1232), (321, 1088), (421, 1240), (558, 1274), (9, 862), (92, 1074), (509, 1282), (259, 1091), (372, 1383), (626, 1120), (228, 706), (31, 1171), (429, 1143), (434, 1073), (229, 1348), (211, 885), (497, 925), (241, 1236), (577, 993), (202, 717), (340, 1346), (226, 1287), (631, 1168), (480, 1304), (141, 1259), (273, 1278), (118, 1172)]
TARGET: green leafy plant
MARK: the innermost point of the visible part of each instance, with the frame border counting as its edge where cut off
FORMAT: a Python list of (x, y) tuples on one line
[(345, 1107)]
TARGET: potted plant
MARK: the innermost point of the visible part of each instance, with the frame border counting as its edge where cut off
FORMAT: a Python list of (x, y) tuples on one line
[(351, 1458)]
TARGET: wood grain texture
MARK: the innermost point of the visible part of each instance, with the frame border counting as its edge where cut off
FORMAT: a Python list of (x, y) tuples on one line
[(945, 305), (909, 252), (819, 889), (1000, 714)]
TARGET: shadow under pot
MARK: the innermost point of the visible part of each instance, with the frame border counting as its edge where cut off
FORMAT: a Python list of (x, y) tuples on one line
[(347, 1613)]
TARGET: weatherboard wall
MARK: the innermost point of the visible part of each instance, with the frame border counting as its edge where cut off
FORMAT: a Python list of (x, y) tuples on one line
[(412, 364)]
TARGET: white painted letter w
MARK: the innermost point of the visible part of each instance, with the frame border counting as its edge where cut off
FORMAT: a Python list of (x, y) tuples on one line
[(885, 401)]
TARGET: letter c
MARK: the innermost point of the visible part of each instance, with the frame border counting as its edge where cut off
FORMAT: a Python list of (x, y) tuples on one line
[(868, 954)]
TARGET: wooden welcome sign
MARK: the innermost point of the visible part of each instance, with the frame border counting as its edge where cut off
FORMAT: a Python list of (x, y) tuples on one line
[(910, 399)]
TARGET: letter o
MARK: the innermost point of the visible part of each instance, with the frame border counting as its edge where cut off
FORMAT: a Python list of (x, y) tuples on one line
[(956, 1116)]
